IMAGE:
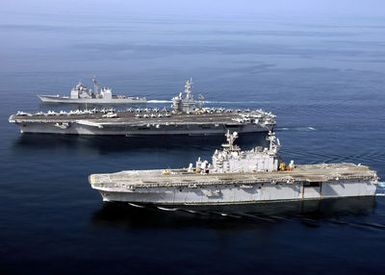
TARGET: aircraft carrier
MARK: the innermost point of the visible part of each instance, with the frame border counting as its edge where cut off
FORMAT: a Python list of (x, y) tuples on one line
[(237, 177), (186, 117)]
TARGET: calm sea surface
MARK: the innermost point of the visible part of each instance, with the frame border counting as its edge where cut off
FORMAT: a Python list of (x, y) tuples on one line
[(323, 77)]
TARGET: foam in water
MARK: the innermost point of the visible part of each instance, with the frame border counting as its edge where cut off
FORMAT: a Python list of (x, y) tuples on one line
[(159, 101), (297, 129), (381, 184)]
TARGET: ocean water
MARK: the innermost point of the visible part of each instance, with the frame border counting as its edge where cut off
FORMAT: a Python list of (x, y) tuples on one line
[(323, 77)]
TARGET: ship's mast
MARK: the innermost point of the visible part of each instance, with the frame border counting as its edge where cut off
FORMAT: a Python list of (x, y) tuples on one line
[(96, 86), (231, 137), (274, 142), (188, 88)]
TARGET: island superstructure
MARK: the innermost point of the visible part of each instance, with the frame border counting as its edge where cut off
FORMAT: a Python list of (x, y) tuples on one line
[(81, 94), (186, 117), (237, 177)]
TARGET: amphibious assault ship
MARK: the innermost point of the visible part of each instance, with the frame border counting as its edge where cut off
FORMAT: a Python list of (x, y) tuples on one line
[(187, 116), (237, 177), (81, 94)]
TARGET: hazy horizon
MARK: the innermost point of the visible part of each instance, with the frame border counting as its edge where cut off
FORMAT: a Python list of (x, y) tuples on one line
[(198, 7)]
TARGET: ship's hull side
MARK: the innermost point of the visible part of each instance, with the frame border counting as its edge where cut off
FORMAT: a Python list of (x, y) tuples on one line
[(129, 130), (58, 99), (240, 194)]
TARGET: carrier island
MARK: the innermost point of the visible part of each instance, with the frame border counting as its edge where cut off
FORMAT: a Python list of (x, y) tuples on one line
[(186, 117), (237, 177)]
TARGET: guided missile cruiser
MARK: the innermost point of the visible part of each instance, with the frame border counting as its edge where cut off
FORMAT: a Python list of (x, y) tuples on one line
[(81, 94)]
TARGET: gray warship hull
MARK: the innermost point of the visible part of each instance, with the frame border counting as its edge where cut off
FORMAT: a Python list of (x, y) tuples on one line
[(125, 130), (306, 182), (133, 124), (112, 101)]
